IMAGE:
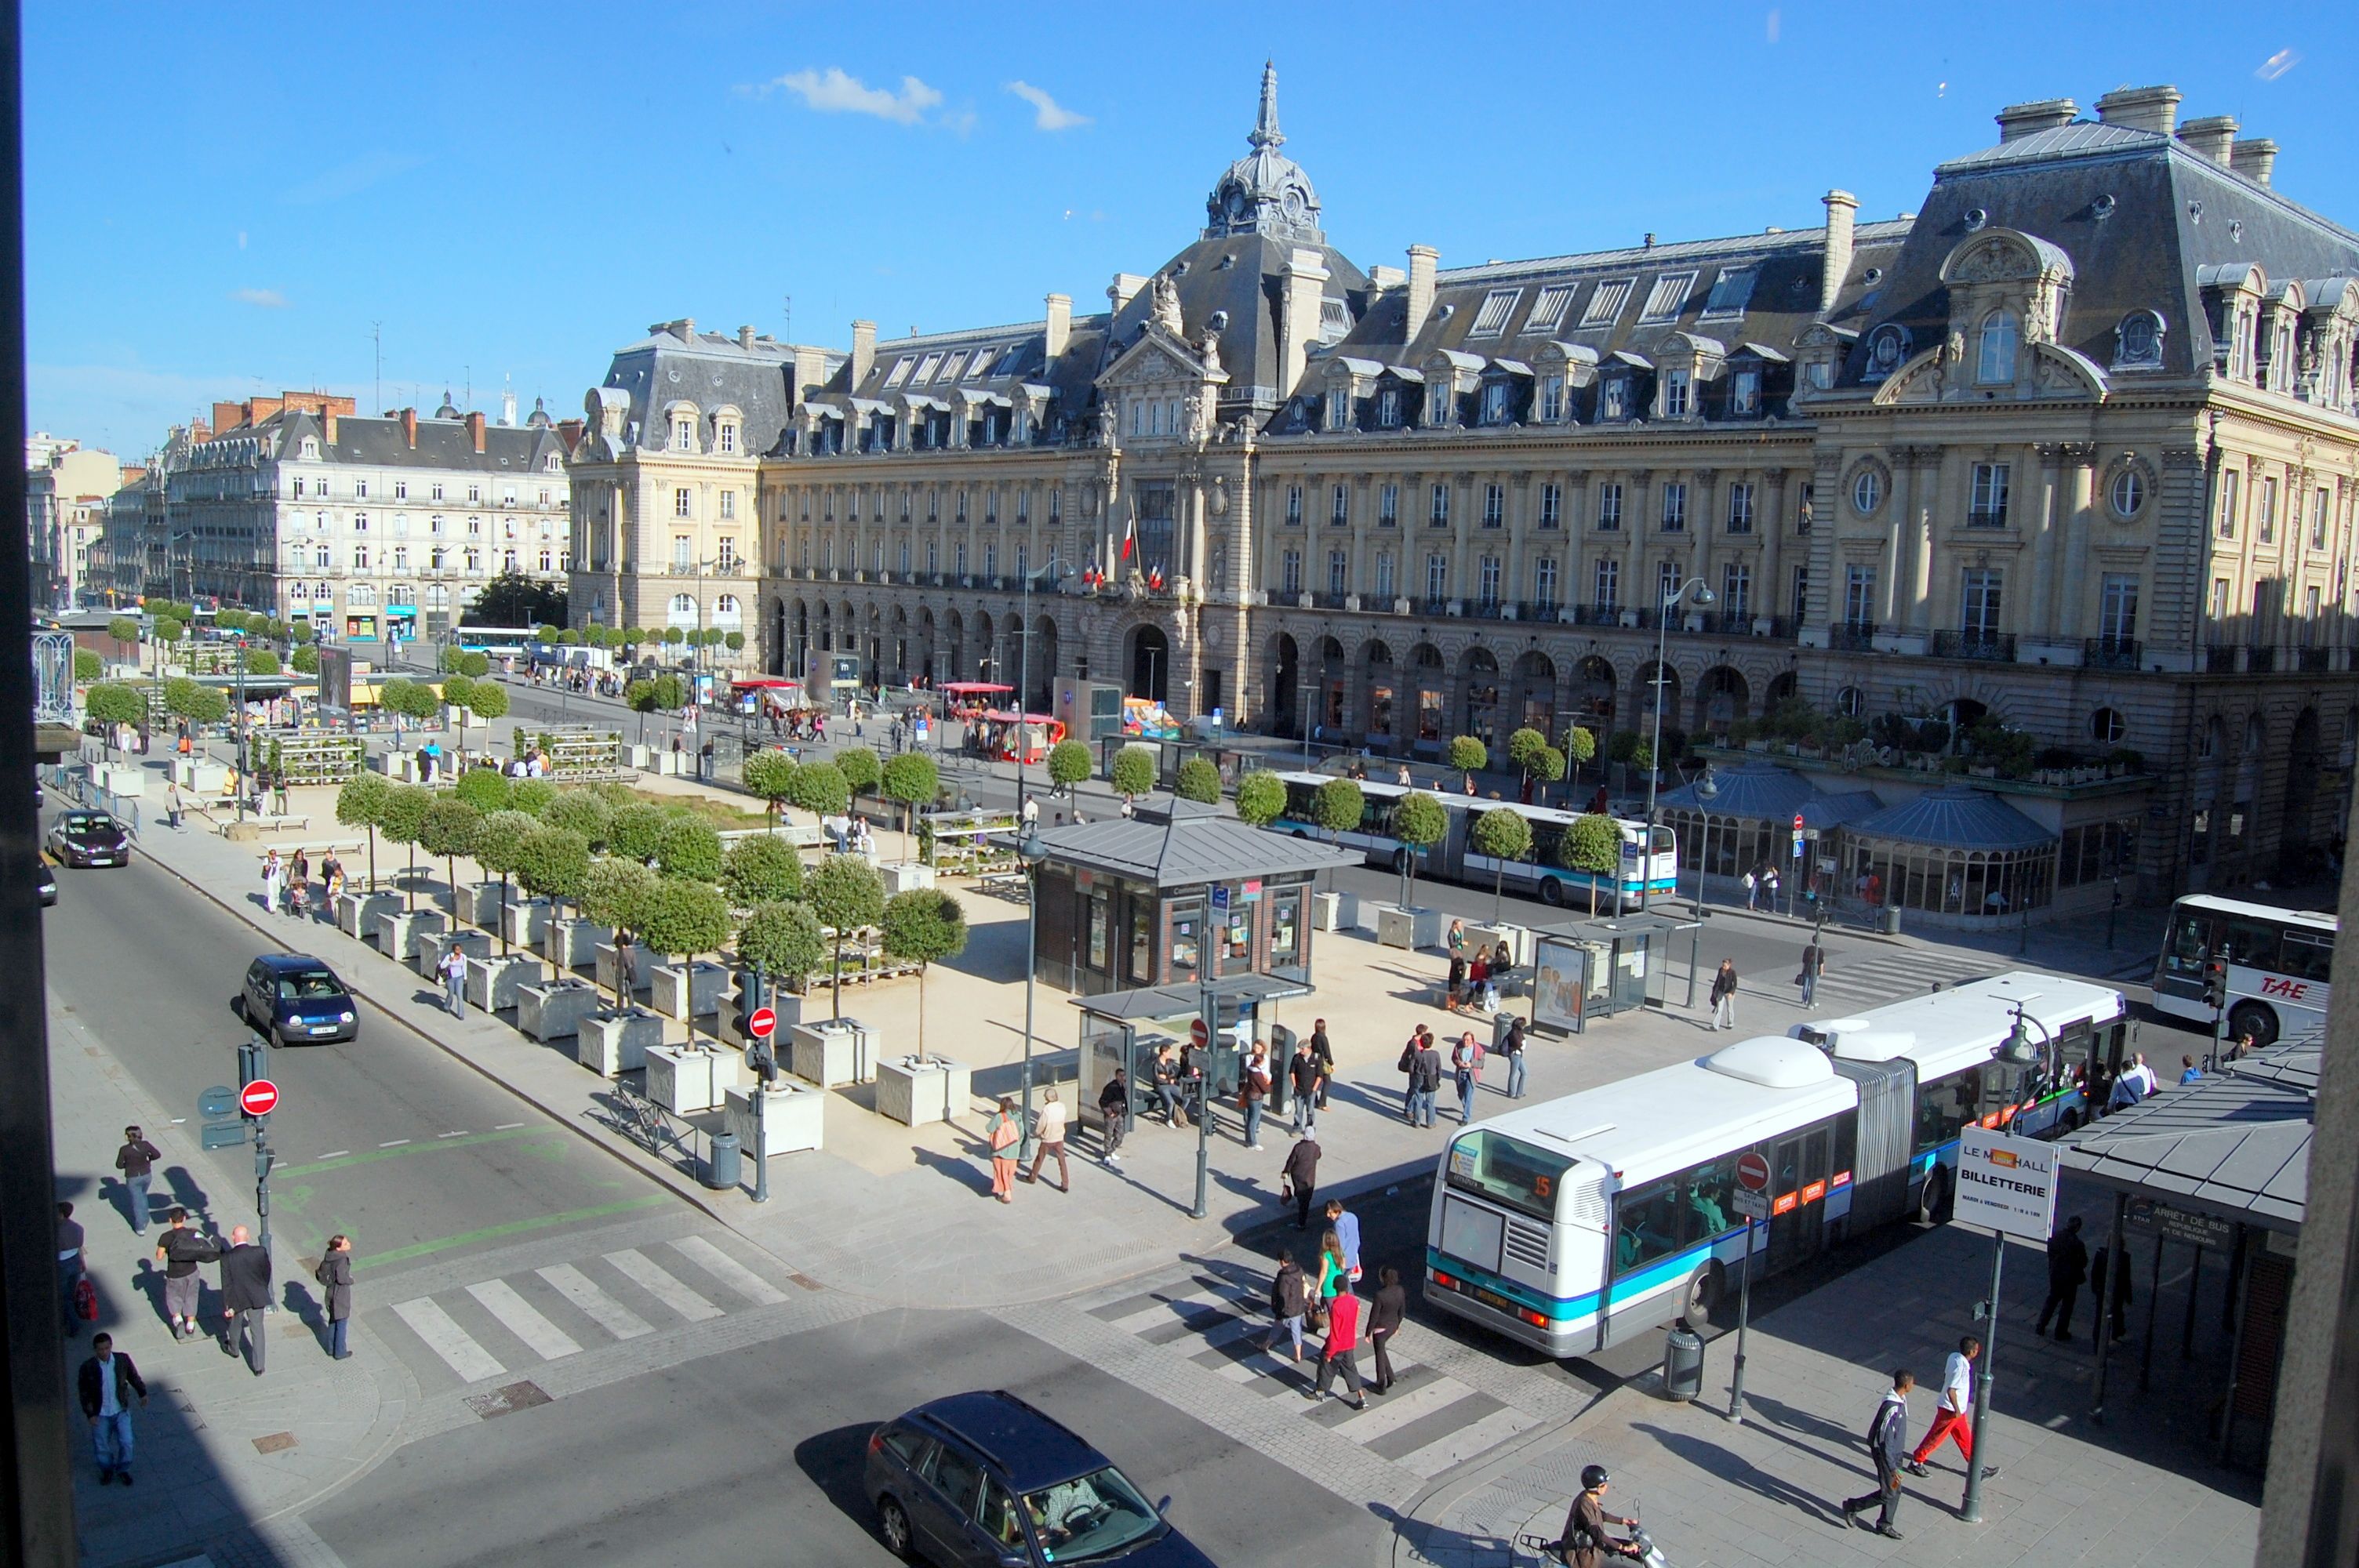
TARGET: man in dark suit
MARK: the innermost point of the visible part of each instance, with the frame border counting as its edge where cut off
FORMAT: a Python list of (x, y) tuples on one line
[(107, 1384), (246, 1295)]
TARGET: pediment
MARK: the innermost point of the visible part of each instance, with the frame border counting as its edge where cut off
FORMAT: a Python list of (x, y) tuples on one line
[(1158, 356), (1940, 374)]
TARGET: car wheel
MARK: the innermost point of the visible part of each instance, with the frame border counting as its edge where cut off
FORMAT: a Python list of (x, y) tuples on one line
[(893, 1524), (2256, 1019)]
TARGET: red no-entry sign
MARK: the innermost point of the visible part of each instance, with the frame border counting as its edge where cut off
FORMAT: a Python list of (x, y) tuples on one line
[(762, 1022), (1753, 1172), (1199, 1033), (259, 1098)]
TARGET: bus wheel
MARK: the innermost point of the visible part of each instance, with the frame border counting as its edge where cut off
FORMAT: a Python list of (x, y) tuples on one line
[(2256, 1019), (1703, 1293), (1299, 833), (1933, 1202), (1552, 892), (1400, 860)]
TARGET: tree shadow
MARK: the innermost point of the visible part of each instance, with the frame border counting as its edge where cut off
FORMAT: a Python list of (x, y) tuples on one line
[(1739, 1471)]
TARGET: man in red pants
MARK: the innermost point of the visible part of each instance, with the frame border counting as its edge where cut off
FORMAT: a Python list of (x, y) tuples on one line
[(1954, 1417)]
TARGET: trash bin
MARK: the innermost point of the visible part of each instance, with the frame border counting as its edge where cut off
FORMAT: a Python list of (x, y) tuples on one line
[(1502, 1022), (1887, 920), (725, 1166), (1683, 1363)]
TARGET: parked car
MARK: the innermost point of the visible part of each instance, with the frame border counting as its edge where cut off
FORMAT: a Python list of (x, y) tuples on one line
[(986, 1479), (89, 839), (45, 882), (294, 997)]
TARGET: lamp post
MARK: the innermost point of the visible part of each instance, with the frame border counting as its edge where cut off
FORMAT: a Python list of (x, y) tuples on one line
[(244, 772), (1024, 689), (2015, 1051), (1707, 788), (1670, 602), (1029, 850)]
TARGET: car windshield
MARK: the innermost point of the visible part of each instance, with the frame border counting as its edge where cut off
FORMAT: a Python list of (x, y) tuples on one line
[(89, 822), (1091, 1517), (308, 985)]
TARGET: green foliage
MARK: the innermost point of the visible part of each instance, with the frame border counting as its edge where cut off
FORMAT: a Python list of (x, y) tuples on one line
[(512, 598), (403, 818), (198, 704), (1524, 745), (362, 801), (579, 811), (684, 918), (261, 661), (735, 641), (230, 619), (553, 862), (487, 699), (449, 826), (845, 893), (1420, 820), (924, 925), (633, 832), (1261, 795), (87, 666), (453, 660), (483, 788), (114, 703), (2008, 751), (861, 770), (688, 847), (123, 629), (762, 869), (1502, 833), (532, 796), (1468, 754), (1341, 805), (1199, 780), (785, 941), (168, 630), (912, 779), (1547, 764), (1592, 844), (1642, 754), (299, 632), (1068, 763), (1624, 746), (771, 776), (674, 635), (1133, 770), (455, 690), (499, 842), (819, 788), (306, 660), (614, 892), (474, 667), (657, 694)]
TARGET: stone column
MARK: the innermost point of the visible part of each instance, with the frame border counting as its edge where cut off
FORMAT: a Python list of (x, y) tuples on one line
[(1897, 559), (2045, 620), (2073, 578), (1769, 525)]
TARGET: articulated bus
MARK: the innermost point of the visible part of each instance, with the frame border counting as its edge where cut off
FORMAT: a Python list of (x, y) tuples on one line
[(1539, 874), (2276, 961), (1588, 1220)]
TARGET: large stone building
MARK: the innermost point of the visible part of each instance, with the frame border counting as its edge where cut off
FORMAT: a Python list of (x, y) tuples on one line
[(67, 492), (2073, 447), (364, 529)]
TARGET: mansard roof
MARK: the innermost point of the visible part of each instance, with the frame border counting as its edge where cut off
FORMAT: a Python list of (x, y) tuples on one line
[(381, 442), (675, 362)]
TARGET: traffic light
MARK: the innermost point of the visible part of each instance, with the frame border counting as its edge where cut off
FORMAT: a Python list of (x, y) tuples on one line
[(2215, 985), (253, 1061)]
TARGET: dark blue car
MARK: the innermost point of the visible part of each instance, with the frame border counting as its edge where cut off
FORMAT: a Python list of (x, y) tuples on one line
[(294, 999), (983, 1480)]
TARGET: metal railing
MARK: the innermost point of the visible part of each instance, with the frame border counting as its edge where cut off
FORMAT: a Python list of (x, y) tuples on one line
[(2317, 661), (2260, 658), (1986, 517), (1852, 637), (2110, 653), (2219, 658), (1998, 647)]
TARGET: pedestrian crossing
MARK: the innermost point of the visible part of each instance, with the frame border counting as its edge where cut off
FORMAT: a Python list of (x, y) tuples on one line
[(488, 1329), (1869, 976), (1427, 1423)]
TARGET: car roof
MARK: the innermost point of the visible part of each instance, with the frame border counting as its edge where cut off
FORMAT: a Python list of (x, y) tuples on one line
[(1031, 1449), (294, 961), (83, 813)]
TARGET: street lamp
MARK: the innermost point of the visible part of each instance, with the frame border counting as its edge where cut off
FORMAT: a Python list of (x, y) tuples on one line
[(1031, 851), (1024, 683), (1707, 788), (1670, 602)]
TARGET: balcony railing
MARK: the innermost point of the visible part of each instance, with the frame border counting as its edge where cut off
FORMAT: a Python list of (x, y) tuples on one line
[(2260, 658), (1434, 607), (1853, 637), (2110, 653), (1328, 600), (1604, 615), (1542, 609), (2219, 658), (1484, 609), (2316, 661), (1998, 647), (1986, 517)]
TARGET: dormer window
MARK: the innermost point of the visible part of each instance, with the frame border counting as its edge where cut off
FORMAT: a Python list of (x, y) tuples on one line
[(1614, 397), (1339, 409), (1548, 310), (1388, 408), (1491, 319), (1551, 398), (2137, 341), (1438, 402), (1668, 297), (1745, 391), (311, 447), (1675, 394), (683, 434), (1994, 362), (725, 440), (1494, 403)]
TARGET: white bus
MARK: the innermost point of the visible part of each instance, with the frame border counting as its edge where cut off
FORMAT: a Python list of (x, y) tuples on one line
[(1578, 1224), (2276, 961)]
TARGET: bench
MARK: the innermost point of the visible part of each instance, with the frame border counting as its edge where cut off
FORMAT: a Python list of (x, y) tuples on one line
[(1013, 885)]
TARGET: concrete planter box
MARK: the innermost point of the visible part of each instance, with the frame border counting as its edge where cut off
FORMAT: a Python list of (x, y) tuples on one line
[(1410, 928), (915, 1090), (357, 912), (685, 1079), (829, 1052), (121, 778), (793, 1120), (492, 983), (1335, 911), (526, 918), (643, 758), (554, 1010), (642, 961), (480, 904), (570, 944), (687, 991), (906, 876), (790, 1008), (397, 933), (474, 944), (198, 777), (612, 1044)]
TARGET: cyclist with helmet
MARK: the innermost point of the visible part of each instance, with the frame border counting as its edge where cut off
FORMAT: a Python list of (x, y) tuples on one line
[(1586, 1543)]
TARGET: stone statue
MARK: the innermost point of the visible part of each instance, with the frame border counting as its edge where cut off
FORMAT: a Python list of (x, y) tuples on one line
[(1209, 351), (1164, 305), (1105, 424), (1193, 416)]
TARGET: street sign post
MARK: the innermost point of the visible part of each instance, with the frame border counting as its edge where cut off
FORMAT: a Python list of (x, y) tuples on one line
[(1199, 1049), (762, 1024), (258, 1099), (2006, 1185), (217, 1102), (1750, 1198)]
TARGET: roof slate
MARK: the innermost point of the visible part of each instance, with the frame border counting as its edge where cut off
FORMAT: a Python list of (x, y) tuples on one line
[(1175, 843)]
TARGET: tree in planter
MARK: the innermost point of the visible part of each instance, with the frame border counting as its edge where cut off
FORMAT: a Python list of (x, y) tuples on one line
[(300, 632), (579, 811), (1133, 772), (1261, 796), (688, 847), (88, 667), (1504, 833), (553, 863), (485, 789), (1419, 822), (1547, 767), (200, 704), (784, 941), (532, 796), (614, 894), (912, 781), (113, 703), (847, 894), (453, 660), (1523, 747), (1469, 756), (499, 846), (1340, 806), (124, 629), (863, 773), (1592, 846), (735, 642), (1069, 764), (683, 919), (450, 830), (403, 819), (168, 631), (632, 833), (474, 667), (487, 700), (657, 694), (819, 789), (920, 926), (771, 776), (361, 804), (1199, 781), (765, 868), (261, 661)]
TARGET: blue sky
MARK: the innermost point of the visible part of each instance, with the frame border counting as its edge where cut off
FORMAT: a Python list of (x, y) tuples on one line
[(223, 199)]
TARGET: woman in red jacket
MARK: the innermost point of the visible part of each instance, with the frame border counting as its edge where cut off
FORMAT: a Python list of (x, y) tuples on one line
[(1343, 1339)]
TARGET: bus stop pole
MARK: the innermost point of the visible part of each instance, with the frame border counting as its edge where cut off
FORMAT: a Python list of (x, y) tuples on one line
[(1695, 957), (2114, 1257), (1204, 1089), (1744, 1317), (1973, 1510)]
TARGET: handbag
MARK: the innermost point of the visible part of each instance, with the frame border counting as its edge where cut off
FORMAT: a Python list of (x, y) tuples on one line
[(85, 1299)]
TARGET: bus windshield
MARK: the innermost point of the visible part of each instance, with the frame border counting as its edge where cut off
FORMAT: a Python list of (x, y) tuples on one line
[(1508, 1171)]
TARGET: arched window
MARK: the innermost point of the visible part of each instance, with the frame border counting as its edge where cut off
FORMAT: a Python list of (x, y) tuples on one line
[(2107, 727), (1851, 702), (2137, 341), (1867, 491), (2129, 492), (1996, 361)]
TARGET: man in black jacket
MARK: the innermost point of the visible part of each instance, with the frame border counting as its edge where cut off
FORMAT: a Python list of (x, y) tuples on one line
[(1325, 1052), (1302, 1073), (1300, 1178), (2068, 1265), (107, 1383), (1888, 1444), (1425, 1080), (245, 1296)]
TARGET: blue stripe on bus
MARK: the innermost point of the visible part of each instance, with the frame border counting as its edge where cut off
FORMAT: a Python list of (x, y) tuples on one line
[(1565, 1309)]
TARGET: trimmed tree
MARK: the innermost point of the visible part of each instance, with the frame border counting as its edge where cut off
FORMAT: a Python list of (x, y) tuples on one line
[(124, 629), (499, 846), (579, 811), (634, 830), (552, 864), (614, 894), (688, 847), (403, 819), (1340, 806), (1133, 772), (261, 661), (1592, 846), (361, 804), (771, 776), (1199, 780), (1068, 763), (862, 774), (1579, 749), (761, 869), (1261, 796), (485, 789), (450, 830), (784, 941), (847, 896), (532, 796), (305, 660), (184, 698), (1419, 822), (684, 918), (1505, 834), (819, 789), (487, 699), (1523, 748), (1469, 755), (87, 666), (912, 781), (113, 703), (474, 667), (919, 927)]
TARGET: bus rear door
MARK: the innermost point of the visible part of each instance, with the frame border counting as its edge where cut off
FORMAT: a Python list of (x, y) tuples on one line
[(1799, 1169)]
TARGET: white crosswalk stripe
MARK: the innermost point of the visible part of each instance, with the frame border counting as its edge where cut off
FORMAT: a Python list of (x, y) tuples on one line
[(1467, 1442), (594, 1303), (730, 1271), (524, 1320), (1397, 1411), (641, 1271), (448, 1340)]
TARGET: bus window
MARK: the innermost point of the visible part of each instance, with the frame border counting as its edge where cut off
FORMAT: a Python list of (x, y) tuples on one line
[(1705, 1193), (1944, 1106), (1846, 1141), (2190, 944), (1646, 1225), (2306, 955), (1508, 1171), (2254, 944)]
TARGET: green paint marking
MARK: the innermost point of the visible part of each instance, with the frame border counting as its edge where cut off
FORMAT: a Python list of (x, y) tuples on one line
[(513, 1228), (343, 1161)]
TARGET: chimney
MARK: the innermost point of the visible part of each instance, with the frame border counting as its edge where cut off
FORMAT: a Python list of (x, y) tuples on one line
[(1060, 326), (1124, 287), (475, 429), (2210, 136), (2017, 120), (1383, 280), (409, 427), (199, 431), (227, 416), (328, 426), (810, 371), (2255, 158), (744, 336), (864, 352), (1834, 266), (570, 432), (687, 328), (1302, 283), (2152, 109), (1421, 262)]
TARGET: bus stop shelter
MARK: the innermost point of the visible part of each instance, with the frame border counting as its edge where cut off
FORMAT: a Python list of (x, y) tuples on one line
[(1593, 969), (1123, 1029)]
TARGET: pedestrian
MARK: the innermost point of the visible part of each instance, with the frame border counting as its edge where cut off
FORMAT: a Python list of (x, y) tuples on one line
[(1253, 1088), (137, 1160), (172, 803), (1814, 964), (1466, 1074), (1166, 1086), (107, 1384), (1002, 1130), (1748, 890), (2068, 1265), (1346, 1227), (1325, 1053), (1289, 1300), (2114, 1261), (1334, 1278), (453, 970), (274, 873), (1427, 1082), (1114, 1109), (2188, 1072), (1299, 1179), (1478, 980), (1512, 1047), (1953, 1416), (1407, 1068), (278, 793), (180, 1250), (1342, 1340), (69, 1270), (1457, 988), (1888, 1445), (1456, 941), (1385, 1319), (1302, 1073), (336, 1277), (1503, 964), (1048, 1133), (245, 1296), (1723, 995)]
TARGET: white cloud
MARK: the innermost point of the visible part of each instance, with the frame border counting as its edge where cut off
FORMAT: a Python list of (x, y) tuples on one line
[(267, 298), (349, 178), (832, 91), (1048, 114)]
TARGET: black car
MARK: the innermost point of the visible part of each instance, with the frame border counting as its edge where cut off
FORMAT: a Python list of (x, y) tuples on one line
[(45, 882), (294, 997), (89, 839), (984, 1479)]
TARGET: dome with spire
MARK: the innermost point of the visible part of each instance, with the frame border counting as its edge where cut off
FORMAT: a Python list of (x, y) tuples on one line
[(539, 420), (1265, 192), (448, 410)]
